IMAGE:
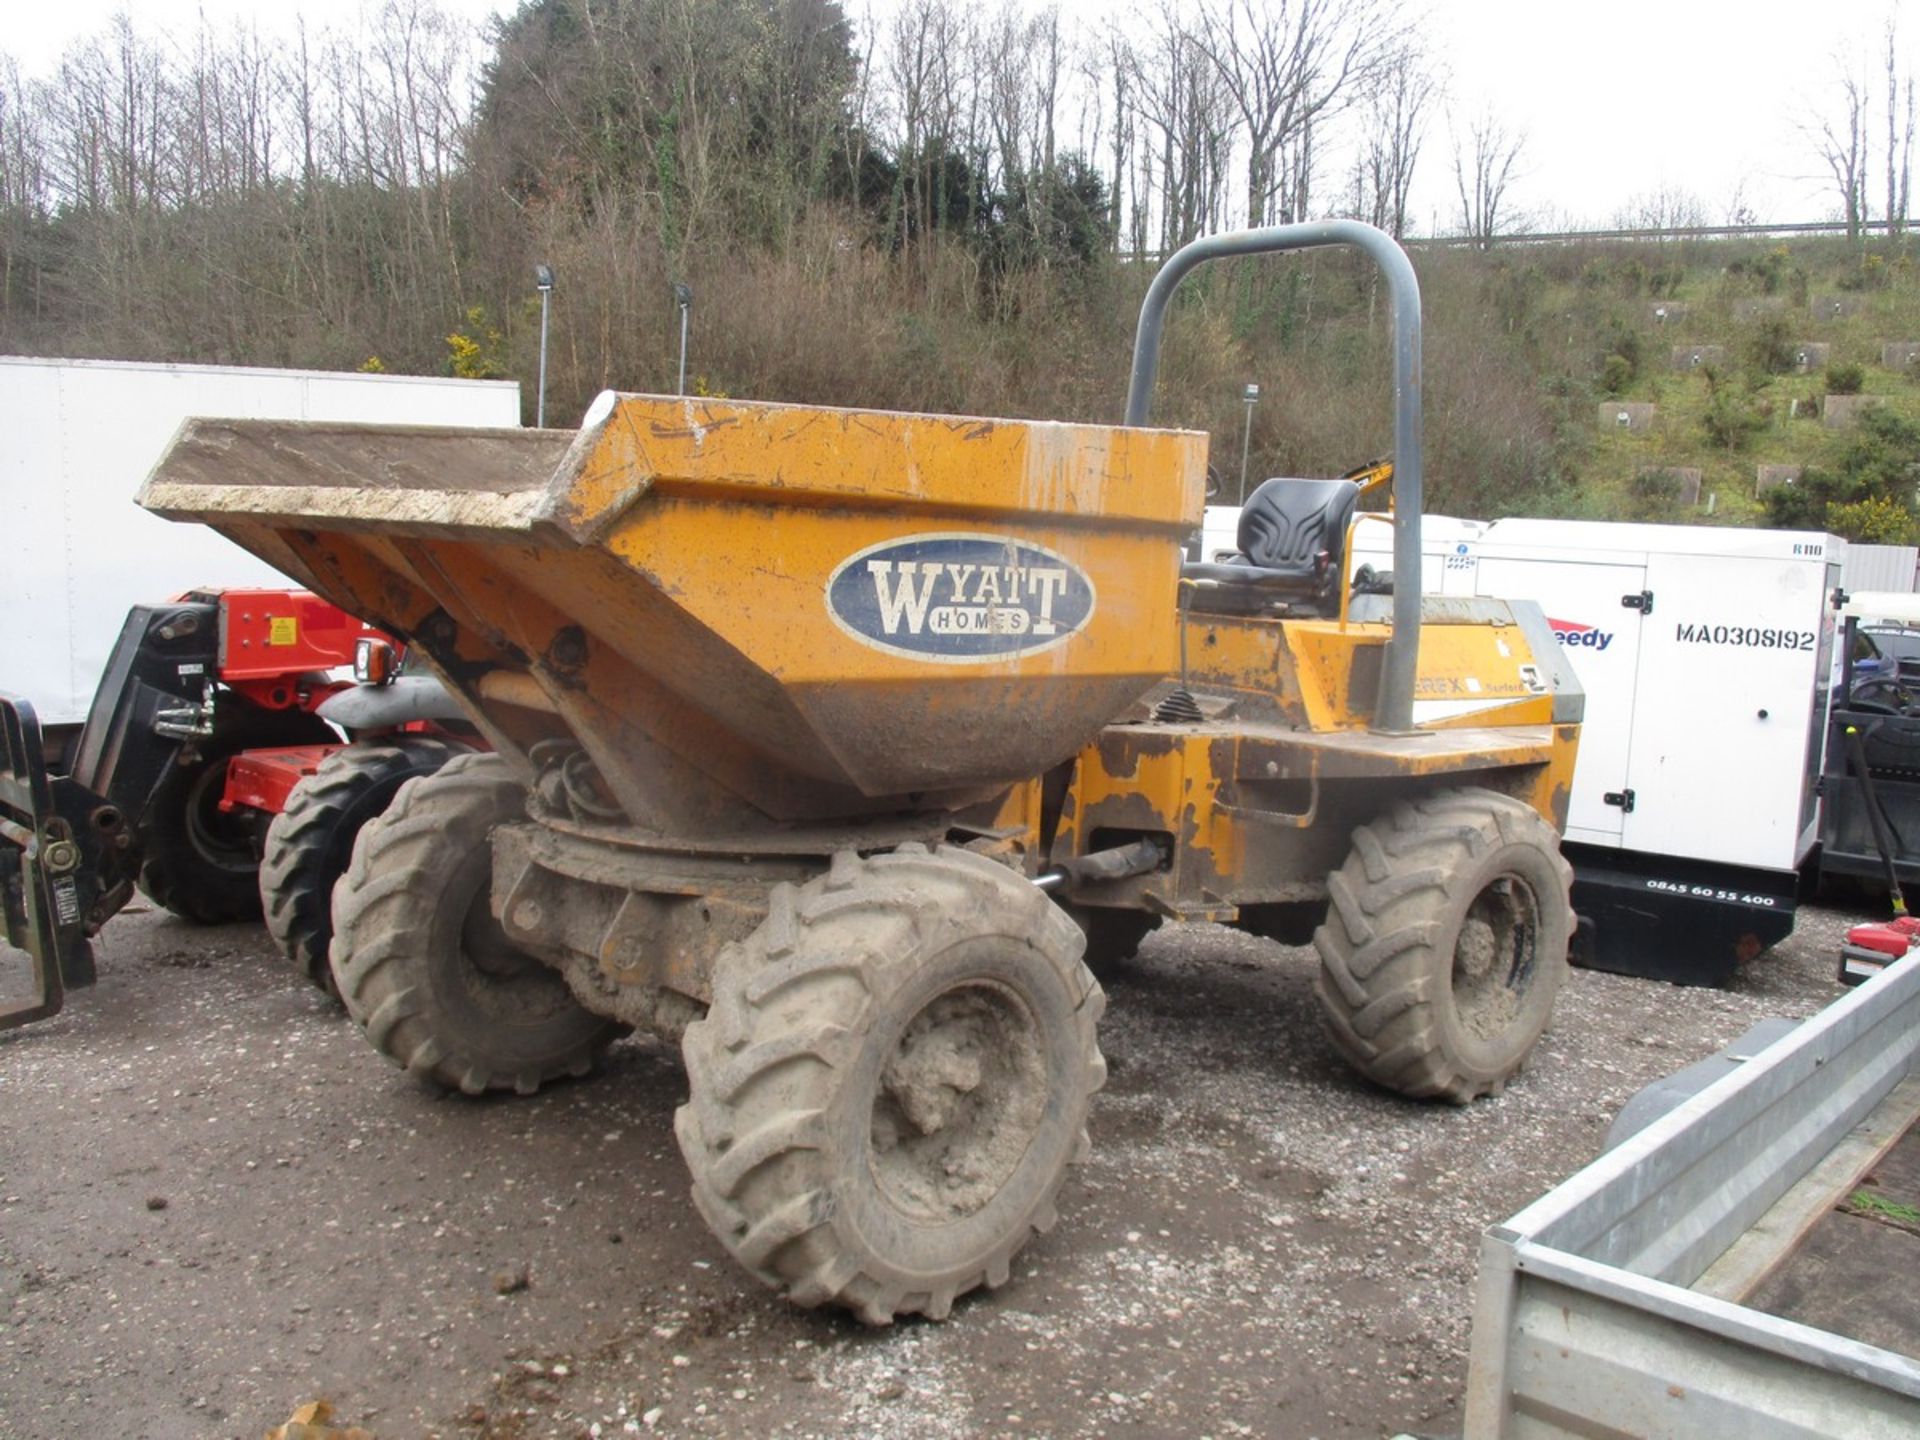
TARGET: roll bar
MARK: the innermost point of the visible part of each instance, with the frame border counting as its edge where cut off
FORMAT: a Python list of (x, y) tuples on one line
[(1393, 711)]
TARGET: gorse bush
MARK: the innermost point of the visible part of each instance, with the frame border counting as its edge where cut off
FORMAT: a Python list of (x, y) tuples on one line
[(1845, 378), (1733, 417), (1766, 272), (1770, 346), (1872, 273), (474, 350), (1876, 520), (1657, 494), (1867, 490), (1625, 360)]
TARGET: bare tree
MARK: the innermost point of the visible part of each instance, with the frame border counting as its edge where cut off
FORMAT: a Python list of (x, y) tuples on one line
[(1841, 141), (1025, 62), (1390, 146), (23, 177), (1285, 66), (1666, 208), (1738, 209), (1049, 62), (25, 197), (1178, 96), (1106, 62), (1483, 168), (928, 50), (1899, 139), (1020, 61)]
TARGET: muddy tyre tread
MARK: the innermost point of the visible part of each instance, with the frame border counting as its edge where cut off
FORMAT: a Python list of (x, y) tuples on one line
[(307, 851), (382, 919), (1392, 904), (790, 1003)]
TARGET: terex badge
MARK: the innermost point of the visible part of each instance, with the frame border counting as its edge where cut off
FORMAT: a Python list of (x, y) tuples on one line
[(959, 598)]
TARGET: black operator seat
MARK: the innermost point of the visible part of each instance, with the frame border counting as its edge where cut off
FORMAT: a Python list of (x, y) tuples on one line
[(1293, 541)]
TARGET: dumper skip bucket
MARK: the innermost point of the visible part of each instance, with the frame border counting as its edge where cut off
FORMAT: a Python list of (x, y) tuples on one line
[(734, 608)]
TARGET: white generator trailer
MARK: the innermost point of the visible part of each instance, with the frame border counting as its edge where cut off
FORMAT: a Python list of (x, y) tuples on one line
[(1706, 654), (82, 435)]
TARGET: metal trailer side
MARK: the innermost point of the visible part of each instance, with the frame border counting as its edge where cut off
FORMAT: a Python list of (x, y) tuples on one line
[(1609, 1307)]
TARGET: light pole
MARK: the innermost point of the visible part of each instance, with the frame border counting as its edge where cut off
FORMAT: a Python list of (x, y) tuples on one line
[(1252, 396), (543, 281), (683, 297)]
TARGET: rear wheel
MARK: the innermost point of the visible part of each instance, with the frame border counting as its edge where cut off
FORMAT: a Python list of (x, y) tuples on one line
[(310, 842), (1286, 922), (197, 860), (1113, 936), (892, 1081), (1445, 944), (422, 964)]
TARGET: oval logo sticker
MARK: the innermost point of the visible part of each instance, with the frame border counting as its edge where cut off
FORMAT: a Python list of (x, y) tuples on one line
[(959, 598)]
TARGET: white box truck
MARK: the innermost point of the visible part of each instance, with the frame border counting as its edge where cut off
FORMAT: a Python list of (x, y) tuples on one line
[(80, 437), (208, 684), (1706, 654)]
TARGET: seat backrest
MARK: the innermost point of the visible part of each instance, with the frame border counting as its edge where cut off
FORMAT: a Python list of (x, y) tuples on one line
[(1288, 524)]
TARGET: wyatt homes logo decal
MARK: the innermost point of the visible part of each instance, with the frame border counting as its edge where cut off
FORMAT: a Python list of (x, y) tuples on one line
[(959, 598)]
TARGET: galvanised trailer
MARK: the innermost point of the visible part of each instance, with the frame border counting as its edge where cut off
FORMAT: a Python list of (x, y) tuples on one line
[(1642, 1297)]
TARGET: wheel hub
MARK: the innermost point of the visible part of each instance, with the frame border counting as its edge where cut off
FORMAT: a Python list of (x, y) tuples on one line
[(487, 947), (1477, 948), (959, 1100), (1493, 959), (221, 838), (929, 1080)]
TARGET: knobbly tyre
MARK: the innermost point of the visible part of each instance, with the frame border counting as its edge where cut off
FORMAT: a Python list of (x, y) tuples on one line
[(403, 724), (837, 743), (211, 733)]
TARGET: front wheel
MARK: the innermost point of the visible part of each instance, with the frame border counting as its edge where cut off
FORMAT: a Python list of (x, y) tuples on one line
[(892, 1081), (310, 841), (198, 860), (1445, 943), (423, 965)]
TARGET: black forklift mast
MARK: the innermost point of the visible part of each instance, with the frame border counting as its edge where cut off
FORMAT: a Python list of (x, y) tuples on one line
[(69, 848)]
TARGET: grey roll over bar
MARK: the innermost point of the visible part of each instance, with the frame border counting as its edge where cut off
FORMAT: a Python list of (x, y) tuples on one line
[(1394, 709)]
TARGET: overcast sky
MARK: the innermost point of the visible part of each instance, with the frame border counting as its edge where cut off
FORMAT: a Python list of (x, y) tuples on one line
[(1618, 100)]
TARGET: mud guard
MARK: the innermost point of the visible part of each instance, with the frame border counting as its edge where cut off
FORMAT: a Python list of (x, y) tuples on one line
[(387, 707)]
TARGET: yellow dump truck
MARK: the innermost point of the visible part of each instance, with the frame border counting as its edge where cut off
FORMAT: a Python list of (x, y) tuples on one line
[(834, 743)]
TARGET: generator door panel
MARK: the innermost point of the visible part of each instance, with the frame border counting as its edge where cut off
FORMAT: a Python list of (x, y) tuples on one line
[(1601, 636), (1728, 675)]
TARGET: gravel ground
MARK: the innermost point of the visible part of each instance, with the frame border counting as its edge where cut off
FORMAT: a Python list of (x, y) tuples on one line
[(216, 1203)]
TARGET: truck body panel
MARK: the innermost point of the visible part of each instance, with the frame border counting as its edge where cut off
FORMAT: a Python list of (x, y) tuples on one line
[(82, 435)]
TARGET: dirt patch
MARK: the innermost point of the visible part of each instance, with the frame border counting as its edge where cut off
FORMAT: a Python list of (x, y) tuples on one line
[(1261, 1243)]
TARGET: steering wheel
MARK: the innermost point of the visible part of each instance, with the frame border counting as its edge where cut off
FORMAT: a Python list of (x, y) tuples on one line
[(1881, 695)]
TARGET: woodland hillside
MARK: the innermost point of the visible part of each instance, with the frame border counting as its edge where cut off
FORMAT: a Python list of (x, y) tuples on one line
[(957, 211)]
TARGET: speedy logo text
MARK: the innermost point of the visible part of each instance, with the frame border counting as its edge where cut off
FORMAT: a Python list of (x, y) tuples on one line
[(1587, 637)]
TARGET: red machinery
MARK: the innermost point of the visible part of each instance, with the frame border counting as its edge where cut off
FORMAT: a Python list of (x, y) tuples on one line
[(213, 731)]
